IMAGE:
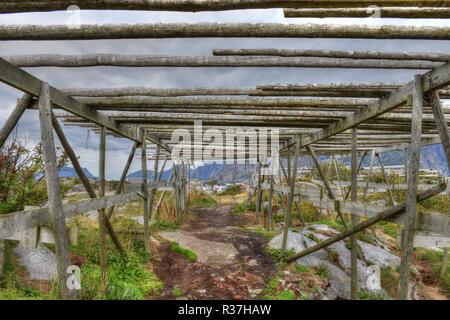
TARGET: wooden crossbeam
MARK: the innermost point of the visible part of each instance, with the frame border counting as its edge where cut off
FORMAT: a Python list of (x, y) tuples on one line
[(13, 223), (14, 6), (93, 60), (432, 80), (220, 30), (368, 12), (24, 81)]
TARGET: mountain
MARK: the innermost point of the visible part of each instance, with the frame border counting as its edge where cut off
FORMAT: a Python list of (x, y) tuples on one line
[(224, 173), (432, 156), (69, 172)]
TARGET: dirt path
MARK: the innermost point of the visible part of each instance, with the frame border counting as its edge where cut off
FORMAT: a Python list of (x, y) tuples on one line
[(241, 277)]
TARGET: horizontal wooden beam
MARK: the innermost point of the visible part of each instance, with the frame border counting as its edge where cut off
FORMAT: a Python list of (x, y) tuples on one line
[(432, 80), (382, 55), (13, 223), (14, 6), (369, 12), (220, 30), (24, 81), (93, 60)]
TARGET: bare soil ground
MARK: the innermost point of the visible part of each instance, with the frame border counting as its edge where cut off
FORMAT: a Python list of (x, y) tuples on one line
[(243, 277)]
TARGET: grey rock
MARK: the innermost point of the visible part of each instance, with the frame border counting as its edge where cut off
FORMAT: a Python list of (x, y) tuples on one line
[(379, 256), (139, 220), (40, 262)]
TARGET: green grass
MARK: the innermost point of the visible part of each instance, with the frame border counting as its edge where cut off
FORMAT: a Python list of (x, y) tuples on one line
[(185, 252), (201, 199), (271, 292), (177, 292), (260, 230), (300, 268), (323, 272), (388, 228), (279, 255), (12, 287), (367, 295), (166, 225)]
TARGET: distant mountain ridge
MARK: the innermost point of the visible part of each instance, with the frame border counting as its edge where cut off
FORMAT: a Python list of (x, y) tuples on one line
[(432, 156)]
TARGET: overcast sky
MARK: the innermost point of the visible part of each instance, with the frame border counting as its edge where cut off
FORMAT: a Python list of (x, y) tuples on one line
[(85, 144)]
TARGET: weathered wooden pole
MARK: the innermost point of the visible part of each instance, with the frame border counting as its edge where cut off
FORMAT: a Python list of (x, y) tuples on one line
[(119, 187), (387, 214), (145, 189), (338, 174), (84, 180), (369, 174), (102, 213), (325, 182), (258, 193), (386, 180), (355, 220), (14, 117), (441, 124), (155, 179), (288, 215), (444, 134), (270, 208), (412, 183), (357, 171), (55, 205)]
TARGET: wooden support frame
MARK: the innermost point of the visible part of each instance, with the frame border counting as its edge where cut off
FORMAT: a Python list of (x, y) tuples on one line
[(55, 205), (412, 182)]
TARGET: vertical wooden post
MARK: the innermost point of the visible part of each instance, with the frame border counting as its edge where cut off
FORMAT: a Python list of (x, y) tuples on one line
[(101, 215), (444, 263), (325, 182), (357, 171), (441, 124), (369, 174), (15, 116), (258, 193), (177, 193), (55, 205), (269, 209), (355, 220), (119, 187), (145, 189), (338, 174), (412, 184), (386, 180), (155, 180), (287, 217)]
